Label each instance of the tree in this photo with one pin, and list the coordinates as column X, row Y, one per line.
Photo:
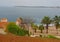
column 28, row 20
column 41, row 27
column 12, row 28
column 46, row 20
column 21, row 19
column 22, row 32
column 34, row 26
column 56, row 21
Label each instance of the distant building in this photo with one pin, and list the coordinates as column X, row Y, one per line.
column 3, row 23
column 4, row 20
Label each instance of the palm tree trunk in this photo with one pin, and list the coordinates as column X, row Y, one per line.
column 35, row 30
column 56, row 30
column 41, row 31
column 46, row 28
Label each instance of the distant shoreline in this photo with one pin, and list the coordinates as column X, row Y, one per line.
column 40, row 6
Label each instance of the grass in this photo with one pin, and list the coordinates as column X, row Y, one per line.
column 51, row 36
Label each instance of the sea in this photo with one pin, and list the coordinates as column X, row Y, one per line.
column 12, row 13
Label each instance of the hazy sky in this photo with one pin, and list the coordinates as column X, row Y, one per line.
column 30, row 2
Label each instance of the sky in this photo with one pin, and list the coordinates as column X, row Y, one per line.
column 29, row 2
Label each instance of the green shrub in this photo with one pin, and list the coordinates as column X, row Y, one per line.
column 22, row 32
column 14, row 29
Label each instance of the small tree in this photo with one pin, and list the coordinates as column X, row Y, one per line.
column 46, row 20
column 56, row 21
column 22, row 32
column 34, row 26
column 12, row 28
column 41, row 27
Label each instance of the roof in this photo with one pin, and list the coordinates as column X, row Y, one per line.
column 4, row 19
column 3, row 24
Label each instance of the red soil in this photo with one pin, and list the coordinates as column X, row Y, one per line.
column 10, row 38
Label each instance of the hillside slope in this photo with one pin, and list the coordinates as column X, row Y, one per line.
column 11, row 38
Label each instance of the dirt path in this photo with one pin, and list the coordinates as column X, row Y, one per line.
column 10, row 38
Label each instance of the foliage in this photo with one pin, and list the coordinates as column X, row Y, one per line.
column 22, row 32
column 46, row 20
column 34, row 26
column 41, row 27
column 56, row 21
column 14, row 29
column 28, row 20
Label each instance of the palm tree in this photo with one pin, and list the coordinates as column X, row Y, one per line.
column 46, row 20
column 56, row 21
column 41, row 27
column 34, row 26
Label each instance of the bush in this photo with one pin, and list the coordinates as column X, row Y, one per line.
column 22, row 32
column 13, row 28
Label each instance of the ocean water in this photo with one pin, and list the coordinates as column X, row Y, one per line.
column 12, row 13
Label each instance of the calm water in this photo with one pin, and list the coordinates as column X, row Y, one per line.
column 37, row 13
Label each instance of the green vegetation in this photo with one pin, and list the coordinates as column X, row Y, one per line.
column 51, row 36
column 22, row 32
column 46, row 20
column 56, row 21
column 34, row 26
column 17, row 30
column 41, row 27
column 14, row 29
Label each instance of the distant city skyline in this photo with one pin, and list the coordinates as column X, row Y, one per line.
column 29, row 2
